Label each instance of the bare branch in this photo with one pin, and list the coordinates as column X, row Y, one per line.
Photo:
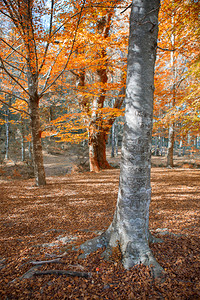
column 42, row 262
column 14, row 67
column 10, row 46
column 62, row 272
column 165, row 49
column 71, row 51
column 11, row 76
column 12, row 94
column 48, row 41
column 33, row 37
column 6, row 15
column 19, row 110
column 126, row 8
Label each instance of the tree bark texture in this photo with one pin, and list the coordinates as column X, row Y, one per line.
column 36, row 143
column 130, row 226
column 97, row 151
column 32, row 77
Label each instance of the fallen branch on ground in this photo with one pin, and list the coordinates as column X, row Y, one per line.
column 62, row 272
column 42, row 262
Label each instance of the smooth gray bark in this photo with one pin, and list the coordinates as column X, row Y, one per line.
column 130, row 226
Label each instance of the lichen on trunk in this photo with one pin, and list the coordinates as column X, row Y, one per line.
column 130, row 226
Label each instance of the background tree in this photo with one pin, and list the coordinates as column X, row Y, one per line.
column 32, row 73
column 178, row 54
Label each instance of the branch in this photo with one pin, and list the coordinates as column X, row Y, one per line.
column 76, row 14
column 6, row 15
column 11, row 76
column 126, row 8
column 71, row 51
column 12, row 12
column 2, row 91
column 7, row 63
column 165, row 49
column 62, row 272
column 19, row 110
column 42, row 262
column 33, row 36
column 48, row 41
column 12, row 48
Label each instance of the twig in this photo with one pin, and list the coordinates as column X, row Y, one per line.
column 126, row 8
column 165, row 49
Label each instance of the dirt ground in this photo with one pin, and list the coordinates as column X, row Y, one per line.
column 40, row 224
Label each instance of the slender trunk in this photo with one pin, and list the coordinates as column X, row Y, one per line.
column 113, row 140
column 170, row 150
column 116, row 139
column 130, row 227
column 36, row 143
column 7, row 125
column 22, row 141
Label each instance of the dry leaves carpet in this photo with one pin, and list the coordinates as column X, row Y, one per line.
column 40, row 224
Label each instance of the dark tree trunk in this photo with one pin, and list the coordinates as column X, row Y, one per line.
column 97, row 151
column 7, row 125
column 22, row 141
column 130, row 227
column 36, row 143
column 170, row 149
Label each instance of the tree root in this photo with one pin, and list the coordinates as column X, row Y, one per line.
column 134, row 253
column 94, row 244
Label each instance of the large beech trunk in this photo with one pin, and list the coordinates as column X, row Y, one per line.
column 130, row 227
column 36, row 143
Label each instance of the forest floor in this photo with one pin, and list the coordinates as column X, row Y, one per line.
column 40, row 224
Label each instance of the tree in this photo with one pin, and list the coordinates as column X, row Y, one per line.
column 176, row 108
column 130, row 226
column 33, row 70
column 95, row 63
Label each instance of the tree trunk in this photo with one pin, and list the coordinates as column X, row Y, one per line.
column 130, row 227
column 36, row 143
column 113, row 140
column 22, row 140
column 7, row 125
column 97, row 151
column 170, row 150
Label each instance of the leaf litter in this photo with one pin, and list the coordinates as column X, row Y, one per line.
column 45, row 224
